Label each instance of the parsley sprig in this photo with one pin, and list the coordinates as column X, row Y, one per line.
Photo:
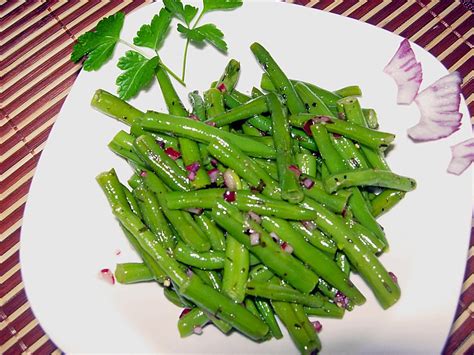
column 139, row 68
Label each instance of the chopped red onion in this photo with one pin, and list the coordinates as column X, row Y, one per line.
column 341, row 299
column 107, row 276
column 287, row 247
column 229, row 180
column 184, row 312
column 344, row 212
column 213, row 174
column 167, row 283
column 462, row 156
column 193, row 117
column 254, row 238
column 229, row 196
column 194, row 167
column 118, row 252
column 307, row 127
column 295, row 169
column 439, row 109
column 275, row 237
column 160, row 143
column 197, row 330
column 192, row 176
column 210, row 123
column 189, row 272
column 195, row 210
column 309, row 225
column 143, row 173
column 322, row 119
column 406, row 71
column 173, row 154
column 392, row 275
column 308, row 183
column 214, row 163
column 317, row 326
column 336, row 135
column 221, row 87
column 255, row 217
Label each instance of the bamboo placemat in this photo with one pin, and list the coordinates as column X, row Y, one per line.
column 36, row 76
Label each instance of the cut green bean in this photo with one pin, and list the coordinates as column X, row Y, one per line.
column 371, row 118
column 175, row 299
column 202, row 132
column 209, row 277
column 213, row 233
column 248, row 109
column 315, row 238
column 115, row 107
column 192, row 322
column 197, row 102
column 230, row 77
column 268, row 316
column 384, row 201
column 314, row 258
column 286, row 162
column 129, row 273
column 165, row 167
column 335, row 202
column 346, row 91
column 278, row 78
column 269, row 252
column 210, row 260
column 306, row 162
column 369, row 177
column 236, row 269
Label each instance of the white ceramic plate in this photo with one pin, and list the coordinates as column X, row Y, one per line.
column 69, row 233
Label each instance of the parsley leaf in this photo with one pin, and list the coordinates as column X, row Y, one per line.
column 98, row 45
column 211, row 5
column 184, row 13
column 138, row 73
column 152, row 35
column 205, row 33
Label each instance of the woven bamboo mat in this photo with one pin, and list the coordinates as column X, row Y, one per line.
column 36, row 76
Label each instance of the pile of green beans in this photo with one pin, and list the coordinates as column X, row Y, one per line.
column 248, row 209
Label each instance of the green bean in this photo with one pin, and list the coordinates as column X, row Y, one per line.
column 365, row 262
column 199, row 109
column 285, row 294
column 134, row 181
column 335, row 202
column 188, row 148
column 362, row 213
column 371, row 117
column 213, row 233
column 202, row 132
column 128, row 273
column 122, row 145
column 366, row 236
column 186, row 227
column 229, row 78
column 268, row 316
column 316, row 259
column 250, row 130
column 161, row 163
column 343, row 263
column 269, row 252
column 315, row 238
column 244, row 111
column 146, row 240
column 329, row 98
column 306, row 162
column 244, row 200
column 352, row 90
column 328, row 152
column 115, row 107
column 278, row 78
column 175, row 299
column 210, row 260
column 330, row 310
column 250, row 305
column 289, row 184
column 162, row 139
column 190, row 322
column 384, row 201
column 260, row 273
column 256, row 92
column 236, row 269
column 269, row 166
column 209, row 277
column 224, row 308
column 314, row 105
column 349, row 152
column 326, row 289
column 366, row 136
column 132, row 202
column 214, row 102
column 153, row 217
column 368, row 177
